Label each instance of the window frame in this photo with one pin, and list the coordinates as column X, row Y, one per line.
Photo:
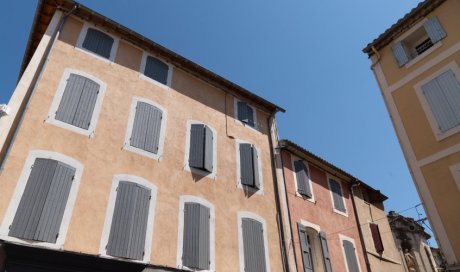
column 317, row 257
column 180, row 232
column 129, row 130
column 19, row 191
column 166, row 86
column 111, row 208
column 82, row 36
column 455, row 171
column 351, row 240
column 310, row 181
column 239, row 185
column 454, row 67
column 211, row 175
column 254, row 114
column 339, row 181
column 51, row 118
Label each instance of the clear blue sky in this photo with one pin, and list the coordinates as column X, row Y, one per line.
column 302, row 55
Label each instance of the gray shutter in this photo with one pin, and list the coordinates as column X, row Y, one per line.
column 253, row 246
column 305, row 249
column 443, row 96
column 246, row 165
column 250, row 115
column 255, row 166
column 242, row 113
column 197, row 146
column 146, row 127
column 325, row 249
column 301, row 172
column 400, row 53
column 350, row 254
column 98, row 42
column 208, row 150
column 129, row 222
column 337, row 195
column 156, row 69
column 86, row 105
column 196, row 247
column 42, row 204
column 434, row 30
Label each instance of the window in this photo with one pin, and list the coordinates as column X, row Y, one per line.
column 98, row 42
column 77, row 103
column 418, row 41
column 129, row 219
column 245, row 113
column 196, row 234
column 337, row 196
column 349, row 251
column 248, row 159
column 253, row 243
column 201, row 149
column 312, row 244
column 302, row 179
column 155, row 69
column 376, row 237
column 145, row 133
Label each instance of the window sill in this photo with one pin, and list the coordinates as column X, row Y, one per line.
column 32, row 243
column 423, row 55
column 141, row 152
column 200, row 172
column 311, row 199
column 250, row 189
column 89, row 132
column 248, row 126
column 154, row 82
column 340, row 212
column 108, row 61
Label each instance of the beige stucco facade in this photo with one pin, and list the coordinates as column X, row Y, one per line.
column 430, row 153
column 103, row 156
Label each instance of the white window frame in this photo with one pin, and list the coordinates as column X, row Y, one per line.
column 111, row 208
column 455, row 171
column 129, row 129
column 82, row 36
column 310, row 182
column 453, row 66
column 213, row 174
column 254, row 113
column 180, row 237
column 19, row 191
column 51, row 119
column 342, row 238
column 256, row 191
column 339, row 181
column 151, row 80
column 254, row 216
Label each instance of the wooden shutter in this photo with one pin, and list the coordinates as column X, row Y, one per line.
column 305, row 248
column 400, row 53
column 43, row 202
column 129, row 222
column 208, row 150
column 78, row 101
column 98, row 42
column 337, row 195
column 325, row 250
column 303, row 184
column 197, row 143
column 255, row 167
column 245, row 113
column 350, row 254
column 434, row 29
column 443, row 96
column 156, row 69
column 253, row 246
column 246, row 165
column 376, row 237
column 196, row 247
column 146, row 127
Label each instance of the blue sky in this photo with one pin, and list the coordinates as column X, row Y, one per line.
column 302, row 55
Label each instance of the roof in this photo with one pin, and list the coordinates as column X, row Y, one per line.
column 393, row 217
column 403, row 24
column 309, row 156
column 46, row 8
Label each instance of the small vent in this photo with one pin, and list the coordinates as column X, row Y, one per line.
column 423, row 46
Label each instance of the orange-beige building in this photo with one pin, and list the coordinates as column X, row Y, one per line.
column 416, row 63
column 120, row 155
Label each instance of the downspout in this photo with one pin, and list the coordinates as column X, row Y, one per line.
column 40, row 69
column 361, row 236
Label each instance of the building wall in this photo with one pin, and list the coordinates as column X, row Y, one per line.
column 429, row 156
column 321, row 213
column 102, row 155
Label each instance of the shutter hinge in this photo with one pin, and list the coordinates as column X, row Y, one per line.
column 57, row 235
column 73, row 177
column 97, row 92
column 150, row 197
column 89, row 123
column 9, row 227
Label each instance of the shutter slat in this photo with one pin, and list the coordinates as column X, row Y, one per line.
column 70, row 98
column 242, row 112
column 303, row 184
column 376, row 237
column 86, row 104
column 204, row 236
column 152, row 137
column 255, row 167
column 253, row 246
column 325, row 250
column 337, row 195
column 208, row 150
column 139, row 225
column 250, row 115
column 197, row 143
column 400, row 53
column 98, row 42
column 434, row 30
column 156, row 69
column 305, row 248
column 350, row 254
column 196, row 247
column 451, row 90
column 146, row 129
column 246, row 165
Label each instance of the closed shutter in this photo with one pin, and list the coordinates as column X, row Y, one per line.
column 78, row 101
column 208, row 150
column 303, row 185
column 434, row 30
column 305, row 249
column 253, row 246
column 197, row 143
column 255, row 166
column 196, row 247
column 350, row 254
column 325, row 249
column 376, row 237
column 43, row 202
column 146, row 127
column 129, row 222
column 245, row 113
column 337, row 195
column 443, row 96
column 249, row 166
column 400, row 53
column 156, row 69
column 98, row 42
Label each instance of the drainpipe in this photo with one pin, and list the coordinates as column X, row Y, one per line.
column 40, row 70
column 361, row 237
